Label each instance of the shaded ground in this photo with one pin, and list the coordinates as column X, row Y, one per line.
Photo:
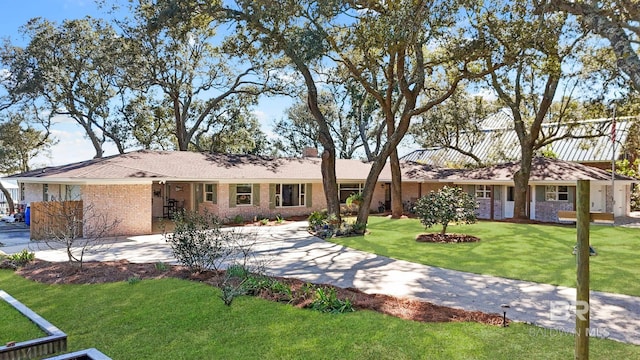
column 102, row 272
column 446, row 238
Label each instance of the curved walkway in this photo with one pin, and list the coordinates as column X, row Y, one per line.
column 289, row 250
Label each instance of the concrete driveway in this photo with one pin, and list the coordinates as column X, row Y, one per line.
column 12, row 234
column 289, row 250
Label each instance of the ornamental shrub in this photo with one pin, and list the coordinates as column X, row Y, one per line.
column 198, row 241
column 22, row 258
column 449, row 204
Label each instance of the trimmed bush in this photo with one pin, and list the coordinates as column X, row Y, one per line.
column 449, row 204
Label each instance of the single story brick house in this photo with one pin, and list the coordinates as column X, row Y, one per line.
column 552, row 188
column 142, row 186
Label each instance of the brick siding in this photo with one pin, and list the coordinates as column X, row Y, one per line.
column 547, row 211
column 131, row 204
column 249, row 212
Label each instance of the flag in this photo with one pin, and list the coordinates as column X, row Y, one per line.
column 613, row 130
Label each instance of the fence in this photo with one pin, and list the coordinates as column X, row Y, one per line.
column 56, row 219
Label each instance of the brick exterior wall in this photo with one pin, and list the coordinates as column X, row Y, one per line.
column 32, row 193
column 263, row 210
column 484, row 209
column 131, row 204
column 378, row 197
column 410, row 191
column 498, row 212
column 547, row 211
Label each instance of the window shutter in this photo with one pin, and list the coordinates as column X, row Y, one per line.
column 232, row 195
column 308, row 195
column 214, row 188
column 540, row 193
column 256, row 194
column 272, row 196
column 470, row 189
column 572, row 195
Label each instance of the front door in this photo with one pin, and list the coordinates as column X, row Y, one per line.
column 157, row 200
column 509, row 202
column 387, row 196
column 596, row 198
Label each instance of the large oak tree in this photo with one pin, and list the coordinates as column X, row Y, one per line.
column 407, row 55
column 617, row 21
column 207, row 87
column 72, row 68
column 548, row 52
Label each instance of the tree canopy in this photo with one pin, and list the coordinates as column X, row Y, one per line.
column 188, row 74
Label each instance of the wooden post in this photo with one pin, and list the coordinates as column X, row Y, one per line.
column 582, row 259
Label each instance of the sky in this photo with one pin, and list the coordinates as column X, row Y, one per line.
column 73, row 146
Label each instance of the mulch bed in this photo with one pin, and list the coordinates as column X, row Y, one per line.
column 104, row 272
column 446, row 238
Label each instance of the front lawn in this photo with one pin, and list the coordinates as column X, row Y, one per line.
column 179, row 319
column 16, row 327
column 540, row 253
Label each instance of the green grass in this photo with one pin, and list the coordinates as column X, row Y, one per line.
column 540, row 253
column 18, row 327
column 178, row 319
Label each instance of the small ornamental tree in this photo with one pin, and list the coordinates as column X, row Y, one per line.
column 449, row 204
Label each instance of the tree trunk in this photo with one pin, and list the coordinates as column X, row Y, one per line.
column 97, row 145
column 367, row 194
column 396, row 185
column 7, row 195
column 521, row 182
column 329, row 181
column 328, row 165
column 387, row 151
column 181, row 127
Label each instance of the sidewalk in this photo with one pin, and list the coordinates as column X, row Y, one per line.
column 290, row 251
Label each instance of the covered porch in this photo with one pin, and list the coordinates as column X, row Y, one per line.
column 169, row 197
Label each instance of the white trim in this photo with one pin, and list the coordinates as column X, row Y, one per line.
column 359, row 189
column 556, row 193
column 484, row 189
column 301, row 200
column 213, row 192
column 250, row 194
column 87, row 181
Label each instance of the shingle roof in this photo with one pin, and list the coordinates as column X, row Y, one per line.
column 500, row 143
column 184, row 165
column 192, row 166
column 542, row 169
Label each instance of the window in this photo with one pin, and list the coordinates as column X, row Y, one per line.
column 244, row 194
column 556, row 193
column 347, row 189
column 72, row 192
column 290, row 195
column 45, row 192
column 210, row 192
column 483, row 191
